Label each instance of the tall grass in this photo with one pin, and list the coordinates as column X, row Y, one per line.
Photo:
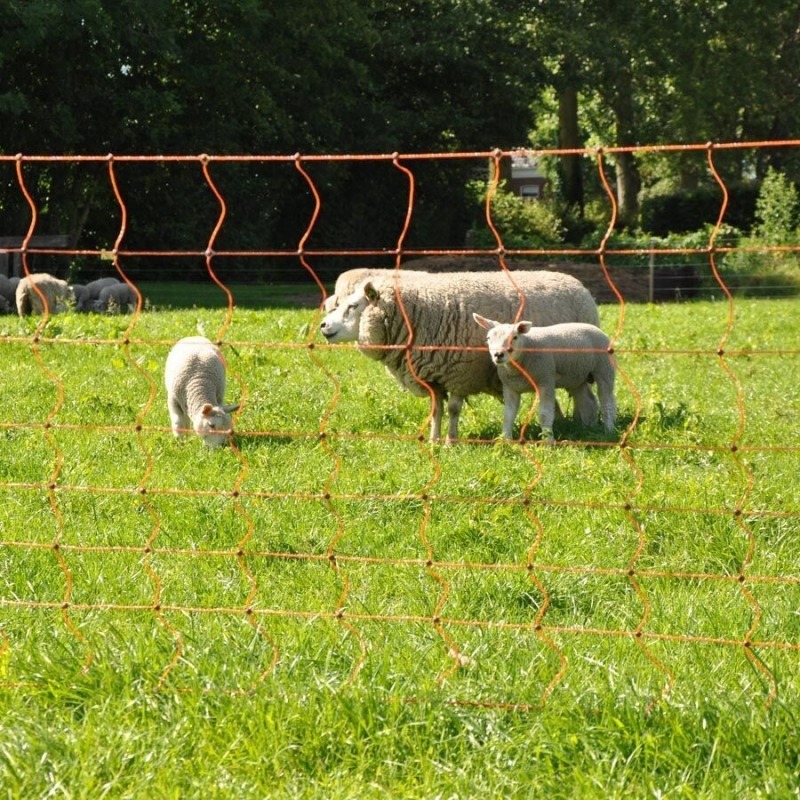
column 362, row 613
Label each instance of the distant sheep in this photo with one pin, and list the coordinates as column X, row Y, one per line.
column 117, row 297
column 444, row 353
column 39, row 290
column 195, row 379
column 86, row 296
column 8, row 293
column 572, row 356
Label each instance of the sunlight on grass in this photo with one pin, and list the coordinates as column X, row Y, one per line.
column 348, row 604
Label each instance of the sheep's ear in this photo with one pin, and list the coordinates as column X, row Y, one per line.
column 370, row 292
column 206, row 409
column 230, row 409
column 486, row 324
column 524, row 326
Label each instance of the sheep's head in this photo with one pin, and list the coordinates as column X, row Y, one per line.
column 503, row 338
column 213, row 424
column 342, row 323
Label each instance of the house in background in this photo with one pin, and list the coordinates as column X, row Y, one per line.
column 527, row 179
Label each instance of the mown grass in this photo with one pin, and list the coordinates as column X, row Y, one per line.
column 130, row 666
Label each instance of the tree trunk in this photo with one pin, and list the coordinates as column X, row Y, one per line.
column 569, row 139
column 628, row 179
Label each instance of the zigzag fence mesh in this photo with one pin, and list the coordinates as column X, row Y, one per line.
column 463, row 572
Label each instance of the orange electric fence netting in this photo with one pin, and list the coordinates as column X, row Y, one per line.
column 539, row 629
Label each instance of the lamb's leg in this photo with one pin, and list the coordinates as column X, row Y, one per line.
column 511, row 400
column 608, row 404
column 547, row 408
column 585, row 405
column 436, row 417
column 454, row 412
column 180, row 422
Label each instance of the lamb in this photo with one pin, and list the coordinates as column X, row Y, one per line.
column 444, row 354
column 195, row 379
column 116, row 297
column 571, row 355
column 41, row 292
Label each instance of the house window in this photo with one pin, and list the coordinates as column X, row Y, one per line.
column 530, row 192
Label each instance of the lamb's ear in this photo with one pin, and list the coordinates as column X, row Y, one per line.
column 523, row 326
column 486, row 324
column 370, row 292
column 206, row 409
column 230, row 409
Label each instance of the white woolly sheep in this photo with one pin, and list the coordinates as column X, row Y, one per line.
column 195, row 379
column 571, row 355
column 116, row 297
column 348, row 280
column 444, row 354
column 41, row 291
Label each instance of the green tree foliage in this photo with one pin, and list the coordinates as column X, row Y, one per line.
column 250, row 77
column 365, row 76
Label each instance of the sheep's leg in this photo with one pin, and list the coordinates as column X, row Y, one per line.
column 585, row 405
column 547, row 409
column 454, row 413
column 180, row 422
column 608, row 404
column 436, row 417
column 511, row 400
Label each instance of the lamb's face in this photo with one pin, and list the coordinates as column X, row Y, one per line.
column 341, row 324
column 213, row 424
column 502, row 341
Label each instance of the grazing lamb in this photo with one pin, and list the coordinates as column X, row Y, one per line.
column 88, row 295
column 42, row 292
column 571, row 355
column 116, row 298
column 195, row 380
column 444, row 350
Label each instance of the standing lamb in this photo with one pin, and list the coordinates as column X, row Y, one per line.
column 444, row 354
column 195, row 379
column 116, row 298
column 571, row 355
column 40, row 292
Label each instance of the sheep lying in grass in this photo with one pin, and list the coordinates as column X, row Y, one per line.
column 444, row 354
column 115, row 298
column 86, row 296
column 571, row 355
column 195, row 380
column 39, row 292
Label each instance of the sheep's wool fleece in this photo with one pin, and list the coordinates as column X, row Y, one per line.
column 29, row 301
column 195, row 374
column 439, row 308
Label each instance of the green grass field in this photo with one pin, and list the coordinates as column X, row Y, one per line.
column 361, row 614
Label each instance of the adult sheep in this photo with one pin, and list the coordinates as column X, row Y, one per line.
column 116, row 297
column 347, row 281
column 194, row 375
column 8, row 293
column 85, row 299
column 572, row 355
column 447, row 356
column 40, row 292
